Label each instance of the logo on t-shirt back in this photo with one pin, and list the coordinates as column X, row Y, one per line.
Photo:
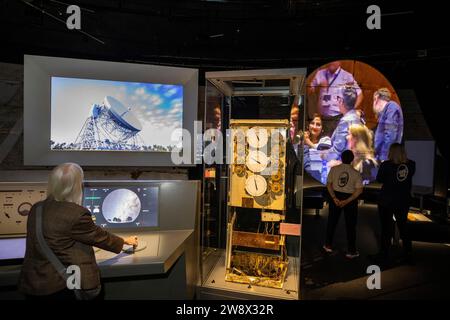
column 343, row 179
column 402, row 173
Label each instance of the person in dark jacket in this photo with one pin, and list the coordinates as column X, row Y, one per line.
column 396, row 176
column 70, row 233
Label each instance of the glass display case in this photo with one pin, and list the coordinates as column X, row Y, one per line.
column 252, row 154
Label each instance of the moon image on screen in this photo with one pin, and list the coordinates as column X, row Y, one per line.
column 121, row 206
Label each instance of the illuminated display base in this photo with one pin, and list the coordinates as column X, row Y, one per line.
column 257, row 269
column 216, row 287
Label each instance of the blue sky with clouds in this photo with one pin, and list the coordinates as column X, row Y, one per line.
column 159, row 107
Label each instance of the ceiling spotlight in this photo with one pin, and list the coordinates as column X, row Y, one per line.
column 217, row 35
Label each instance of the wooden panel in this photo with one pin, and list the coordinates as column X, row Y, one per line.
column 256, row 240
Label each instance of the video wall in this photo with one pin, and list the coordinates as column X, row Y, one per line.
column 100, row 115
column 350, row 105
column 104, row 113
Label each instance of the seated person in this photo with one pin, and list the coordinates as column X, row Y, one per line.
column 313, row 140
column 314, row 133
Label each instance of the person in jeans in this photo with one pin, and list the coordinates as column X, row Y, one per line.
column 344, row 185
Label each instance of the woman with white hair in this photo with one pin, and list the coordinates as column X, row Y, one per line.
column 64, row 227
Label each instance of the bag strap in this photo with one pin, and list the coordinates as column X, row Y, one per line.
column 49, row 254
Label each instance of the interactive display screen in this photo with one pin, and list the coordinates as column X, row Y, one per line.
column 123, row 207
column 350, row 106
column 102, row 115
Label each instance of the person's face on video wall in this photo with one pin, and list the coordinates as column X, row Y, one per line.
column 350, row 106
column 315, row 127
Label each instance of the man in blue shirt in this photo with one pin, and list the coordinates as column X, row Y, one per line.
column 390, row 123
column 347, row 101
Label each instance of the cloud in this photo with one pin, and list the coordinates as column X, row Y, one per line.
column 176, row 106
column 140, row 91
column 120, row 97
column 175, row 110
column 176, row 102
column 154, row 99
column 170, row 92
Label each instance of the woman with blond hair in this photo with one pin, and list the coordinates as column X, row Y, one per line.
column 360, row 141
column 61, row 231
column 396, row 176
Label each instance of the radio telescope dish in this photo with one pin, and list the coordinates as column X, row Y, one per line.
column 111, row 126
column 124, row 116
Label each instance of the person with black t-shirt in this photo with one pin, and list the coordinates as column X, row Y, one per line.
column 396, row 176
column 344, row 185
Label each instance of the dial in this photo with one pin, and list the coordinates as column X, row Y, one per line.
column 239, row 170
column 277, row 176
column 275, row 187
column 256, row 185
column 257, row 137
column 257, row 161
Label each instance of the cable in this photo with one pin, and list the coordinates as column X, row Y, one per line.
column 60, row 20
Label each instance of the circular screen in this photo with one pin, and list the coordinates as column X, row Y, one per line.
column 121, row 206
column 350, row 106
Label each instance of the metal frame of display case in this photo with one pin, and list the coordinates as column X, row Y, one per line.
column 220, row 90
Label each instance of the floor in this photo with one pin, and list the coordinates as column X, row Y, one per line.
column 332, row 276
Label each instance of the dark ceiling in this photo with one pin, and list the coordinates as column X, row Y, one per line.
column 412, row 48
column 228, row 34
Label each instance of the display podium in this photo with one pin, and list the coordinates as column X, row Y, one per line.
column 167, row 267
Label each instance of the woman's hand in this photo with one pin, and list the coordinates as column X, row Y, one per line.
column 333, row 163
column 132, row 241
column 307, row 139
